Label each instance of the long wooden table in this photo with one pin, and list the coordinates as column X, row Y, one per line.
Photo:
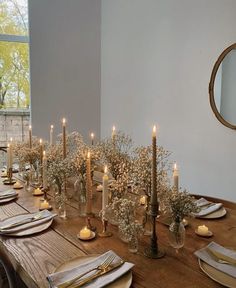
column 36, row 256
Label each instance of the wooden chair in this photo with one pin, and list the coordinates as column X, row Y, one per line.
column 7, row 271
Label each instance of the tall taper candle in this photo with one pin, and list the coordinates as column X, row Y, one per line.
column 113, row 133
column 10, row 154
column 30, row 136
column 64, row 137
column 51, row 135
column 88, row 186
column 154, row 172
column 45, row 182
column 105, row 189
column 92, row 138
column 176, row 177
column 41, row 151
column 8, row 157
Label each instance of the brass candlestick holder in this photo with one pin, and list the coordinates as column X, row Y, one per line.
column 9, row 180
column 153, row 251
column 104, row 232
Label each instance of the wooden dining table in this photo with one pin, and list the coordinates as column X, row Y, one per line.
column 36, row 256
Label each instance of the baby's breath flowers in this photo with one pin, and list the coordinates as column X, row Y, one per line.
column 180, row 204
column 116, row 153
column 123, row 210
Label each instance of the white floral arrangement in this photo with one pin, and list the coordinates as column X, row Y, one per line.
column 27, row 155
column 179, row 204
column 142, row 169
column 123, row 210
column 116, row 153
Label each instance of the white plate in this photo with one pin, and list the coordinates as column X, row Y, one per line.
column 123, row 282
column 8, row 199
column 217, row 275
column 35, row 228
column 216, row 214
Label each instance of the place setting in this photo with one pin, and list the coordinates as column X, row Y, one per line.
column 209, row 210
column 94, row 271
column 26, row 224
column 219, row 263
column 7, row 196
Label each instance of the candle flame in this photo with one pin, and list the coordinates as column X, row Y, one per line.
column 52, row 127
column 40, row 141
column 105, row 169
column 11, row 139
column 8, row 145
column 88, row 154
column 92, row 135
column 64, row 121
column 113, row 128
column 175, row 166
column 44, row 153
column 154, row 129
column 30, row 127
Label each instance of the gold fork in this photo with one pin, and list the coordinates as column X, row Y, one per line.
column 217, row 259
column 100, row 267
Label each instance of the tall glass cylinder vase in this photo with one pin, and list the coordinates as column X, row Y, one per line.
column 80, row 191
column 60, row 199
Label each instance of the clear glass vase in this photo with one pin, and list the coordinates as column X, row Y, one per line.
column 60, row 199
column 133, row 243
column 80, row 192
column 177, row 234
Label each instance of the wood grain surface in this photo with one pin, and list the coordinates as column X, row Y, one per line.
column 36, row 256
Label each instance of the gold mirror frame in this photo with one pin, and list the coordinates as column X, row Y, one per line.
column 212, row 83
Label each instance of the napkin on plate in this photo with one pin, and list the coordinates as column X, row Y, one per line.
column 61, row 277
column 205, row 210
column 45, row 216
column 7, row 193
column 226, row 268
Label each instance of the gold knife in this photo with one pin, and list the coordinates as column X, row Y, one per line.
column 222, row 256
column 96, row 275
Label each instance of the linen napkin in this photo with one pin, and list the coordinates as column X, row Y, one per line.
column 45, row 216
column 208, row 209
column 226, row 268
column 7, row 193
column 61, row 277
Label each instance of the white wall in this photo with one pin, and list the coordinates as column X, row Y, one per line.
column 157, row 58
column 65, row 64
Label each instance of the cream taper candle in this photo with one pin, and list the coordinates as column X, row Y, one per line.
column 176, row 177
column 88, row 186
column 30, row 136
column 64, row 137
column 45, row 182
column 105, row 189
column 51, row 135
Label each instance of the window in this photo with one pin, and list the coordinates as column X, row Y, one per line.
column 14, row 54
column 14, row 72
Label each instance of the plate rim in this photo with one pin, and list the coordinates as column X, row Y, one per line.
column 218, row 281
column 224, row 212
column 44, row 225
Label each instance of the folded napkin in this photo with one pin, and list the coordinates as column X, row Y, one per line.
column 61, row 277
column 44, row 216
column 205, row 210
column 7, row 194
column 226, row 268
column 202, row 202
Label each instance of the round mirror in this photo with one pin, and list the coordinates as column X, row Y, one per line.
column 222, row 87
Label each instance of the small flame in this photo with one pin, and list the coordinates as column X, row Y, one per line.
column 105, row 169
